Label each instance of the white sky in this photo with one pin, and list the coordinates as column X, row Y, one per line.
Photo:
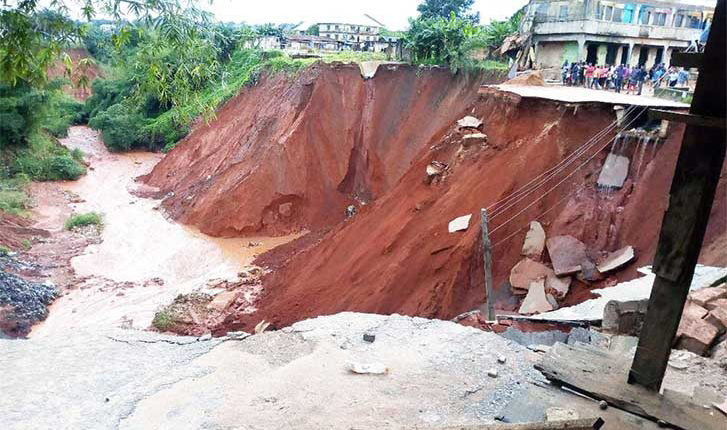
column 392, row 13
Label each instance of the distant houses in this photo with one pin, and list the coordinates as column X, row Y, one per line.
column 349, row 35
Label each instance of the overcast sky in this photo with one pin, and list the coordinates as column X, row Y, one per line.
column 392, row 13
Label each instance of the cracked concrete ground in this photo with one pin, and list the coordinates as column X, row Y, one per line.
column 293, row 378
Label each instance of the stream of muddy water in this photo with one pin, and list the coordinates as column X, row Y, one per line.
column 119, row 277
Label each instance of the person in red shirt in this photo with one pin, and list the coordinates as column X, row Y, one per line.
column 589, row 75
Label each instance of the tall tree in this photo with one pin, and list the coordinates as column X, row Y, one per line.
column 444, row 8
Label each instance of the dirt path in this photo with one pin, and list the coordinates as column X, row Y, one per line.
column 142, row 260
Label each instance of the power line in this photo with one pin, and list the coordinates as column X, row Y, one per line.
column 564, row 179
column 504, row 204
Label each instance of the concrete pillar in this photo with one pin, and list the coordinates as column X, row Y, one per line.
column 581, row 48
column 630, row 54
column 666, row 58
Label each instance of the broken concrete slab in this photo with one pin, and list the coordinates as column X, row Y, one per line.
column 459, row 224
column 557, row 286
column 617, row 259
column 434, row 170
column 614, row 172
column 694, row 333
column 719, row 303
column 469, row 122
column 535, row 302
column 471, row 139
column 624, row 317
column 707, row 295
column 718, row 318
column 636, row 289
column 534, row 241
column 567, row 254
column 526, row 271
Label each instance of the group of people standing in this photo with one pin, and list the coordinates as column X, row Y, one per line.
column 621, row 77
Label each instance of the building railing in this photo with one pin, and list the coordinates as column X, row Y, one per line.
column 617, row 29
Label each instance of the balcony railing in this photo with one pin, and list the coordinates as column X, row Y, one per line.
column 617, row 29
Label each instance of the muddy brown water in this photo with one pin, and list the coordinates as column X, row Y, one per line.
column 138, row 244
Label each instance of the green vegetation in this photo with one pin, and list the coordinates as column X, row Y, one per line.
column 13, row 198
column 82, row 220
column 4, row 250
column 445, row 8
column 447, row 34
column 43, row 159
column 163, row 320
column 26, row 244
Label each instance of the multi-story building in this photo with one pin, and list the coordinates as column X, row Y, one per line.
column 612, row 32
column 358, row 37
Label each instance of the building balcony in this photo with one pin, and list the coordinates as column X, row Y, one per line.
column 614, row 29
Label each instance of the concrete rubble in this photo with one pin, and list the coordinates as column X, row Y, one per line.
column 615, row 171
column 469, row 122
column 534, row 241
column 471, row 139
column 617, row 259
column 567, row 254
column 535, row 301
column 459, row 223
column 636, row 289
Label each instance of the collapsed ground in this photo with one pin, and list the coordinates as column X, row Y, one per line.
column 369, row 173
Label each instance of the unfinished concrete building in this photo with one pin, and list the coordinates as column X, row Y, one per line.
column 608, row 32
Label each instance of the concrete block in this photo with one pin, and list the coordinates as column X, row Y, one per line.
column 535, row 302
column 534, row 241
column 567, row 254
column 614, row 172
column 460, row 223
column 624, row 317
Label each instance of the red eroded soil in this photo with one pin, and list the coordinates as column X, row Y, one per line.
column 397, row 256
column 58, row 70
column 292, row 153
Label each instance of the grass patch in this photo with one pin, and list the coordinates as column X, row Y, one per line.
column 13, row 197
column 4, row 250
column 77, row 155
column 82, row 220
column 163, row 320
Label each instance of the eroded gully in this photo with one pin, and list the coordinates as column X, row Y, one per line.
column 143, row 260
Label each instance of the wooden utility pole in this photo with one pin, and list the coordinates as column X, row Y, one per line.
column 690, row 202
column 487, row 255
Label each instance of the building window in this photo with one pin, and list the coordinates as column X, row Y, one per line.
column 336, row 26
column 618, row 15
column 644, row 15
column 694, row 22
column 678, row 20
column 607, row 13
column 660, row 18
column 563, row 13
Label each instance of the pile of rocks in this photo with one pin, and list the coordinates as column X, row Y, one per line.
column 22, row 303
column 213, row 307
column 704, row 321
column 544, row 283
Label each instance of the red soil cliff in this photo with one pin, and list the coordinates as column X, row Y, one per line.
column 291, row 153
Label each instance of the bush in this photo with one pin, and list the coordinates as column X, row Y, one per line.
column 20, row 109
column 44, row 160
column 82, row 220
column 121, row 127
column 77, row 154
